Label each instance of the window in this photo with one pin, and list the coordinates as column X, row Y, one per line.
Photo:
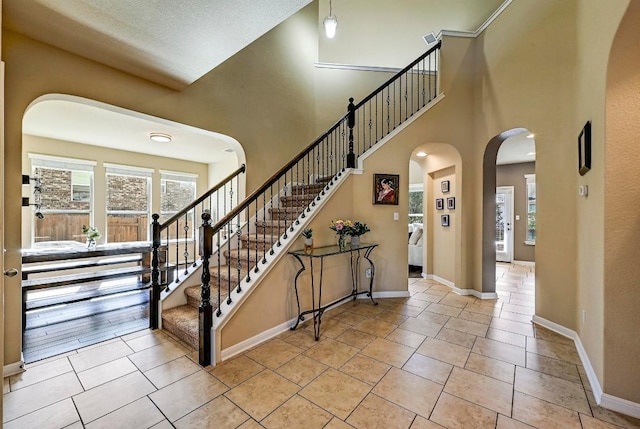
column 531, row 209
column 80, row 186
column 177, row 191
column 128, row 203
column 66, row 198
column 416, row 204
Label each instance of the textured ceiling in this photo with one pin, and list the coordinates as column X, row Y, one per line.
column 171, row 42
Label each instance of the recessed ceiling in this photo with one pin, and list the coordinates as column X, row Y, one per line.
column 84, row 121
column 171, row 42
column 517, row 149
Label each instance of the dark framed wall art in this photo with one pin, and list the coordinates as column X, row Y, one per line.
column 385, row 189
column 444, row 186
column 439, row 203
column 444, row 220
column 451, row 203
column 584, row 149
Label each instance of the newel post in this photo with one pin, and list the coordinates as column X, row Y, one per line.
column 154, row 293
column 204, row 310
column 351, row 122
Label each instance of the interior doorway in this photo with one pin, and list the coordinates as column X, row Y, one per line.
column 504, row 223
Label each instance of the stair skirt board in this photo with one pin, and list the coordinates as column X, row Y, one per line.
column 182, row 328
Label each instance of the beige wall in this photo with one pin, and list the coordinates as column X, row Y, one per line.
column 263, row 97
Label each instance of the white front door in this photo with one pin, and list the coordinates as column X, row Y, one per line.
column 504, row 223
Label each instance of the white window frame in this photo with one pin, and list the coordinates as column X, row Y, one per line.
column 530, row 179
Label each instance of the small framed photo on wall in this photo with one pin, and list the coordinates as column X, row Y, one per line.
column 444, row 186
column 584, row 149
column 439, row 203
column 451, row 203
column 444, row 220
column 385, row 189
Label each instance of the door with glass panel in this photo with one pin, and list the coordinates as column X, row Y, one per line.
column 504, row 223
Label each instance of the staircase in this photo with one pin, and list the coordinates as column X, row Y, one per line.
column 183, row 321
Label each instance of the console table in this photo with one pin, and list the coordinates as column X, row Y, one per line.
column 356, row 253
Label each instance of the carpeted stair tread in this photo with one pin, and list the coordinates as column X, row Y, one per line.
column 183, row 322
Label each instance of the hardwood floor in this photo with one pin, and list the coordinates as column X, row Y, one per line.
column 52, row 335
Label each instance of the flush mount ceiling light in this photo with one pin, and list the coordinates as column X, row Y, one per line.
column 330, row 23
column 421, row 154
column 530, row 136
column 160, row 137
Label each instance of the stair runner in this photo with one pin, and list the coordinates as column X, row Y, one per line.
column 183, row 321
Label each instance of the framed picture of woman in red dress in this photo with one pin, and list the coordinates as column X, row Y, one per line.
column 385, row 189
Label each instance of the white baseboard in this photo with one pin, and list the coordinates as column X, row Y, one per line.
column 603, row 399
column 13, row 368
column 525, row 263
column 389, row 294
column 242, row 346
column 463, row 292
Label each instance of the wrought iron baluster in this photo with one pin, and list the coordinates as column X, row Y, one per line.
column 186, row 243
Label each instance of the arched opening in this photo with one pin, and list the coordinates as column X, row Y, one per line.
column 621, row 191
column 506, row 220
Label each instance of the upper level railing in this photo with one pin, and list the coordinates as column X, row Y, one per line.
column 237, row 246
column 177, row 236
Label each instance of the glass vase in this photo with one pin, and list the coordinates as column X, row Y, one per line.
column 341, row 242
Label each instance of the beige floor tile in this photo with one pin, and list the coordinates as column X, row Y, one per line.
column 336, row 392
column 445, row 310
column 452, row 412
column 487, row 310
column 366, row 308
column 505, row 422
column 58, row 415
column 479, row 389
column 548, row 335
column 106, row 372
column 97, row 355
column 456, row 337
column 180, row 398
column 355, row 338
column 236, row 370
column 428, row 297
column 455, row 300
column 162, row 425
column 301, row 338
column 220, row 413
column 388, row 352
column 336, row 423
column 511, row 326
column 565, row 352
column 262, row 394
column 516, row 317
column 611, row 416
column 36, row 396
column 501, row 351
column 409, row 391
column 92, row 404
column 591, row 423
column 519, row 309
column 274, row 353
column 475, row 317
column 429, row 368
column 39, row 373
column 157, row 355
column 331, row 352
column 407, row 338
column 444, row 351
column 301, row 370
column 375, row 412
column 407, row 310
column 555, row 367
column 251, row 424
column 422, row 326
column 349, row 318
column 437, row 318
column 139, row 414
column 331, row 328
column 531, row 302
column 507, row 337
column 297, row 412
column 375, row 327
column 153, row 338
column 365, row 369
column 422, row 423
column 490, row 367
column 552, row 389
column 418, row 303
column 392, row 317
column 542, row 414
column 170, row 372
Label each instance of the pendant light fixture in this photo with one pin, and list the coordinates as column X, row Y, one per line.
column 330, row 23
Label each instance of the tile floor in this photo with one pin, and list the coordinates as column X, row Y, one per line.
column 433, row 360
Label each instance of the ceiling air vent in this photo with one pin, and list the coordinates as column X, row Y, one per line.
column 429, row 38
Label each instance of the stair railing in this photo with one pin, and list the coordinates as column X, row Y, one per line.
column 179, row 234
column 264, row 219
